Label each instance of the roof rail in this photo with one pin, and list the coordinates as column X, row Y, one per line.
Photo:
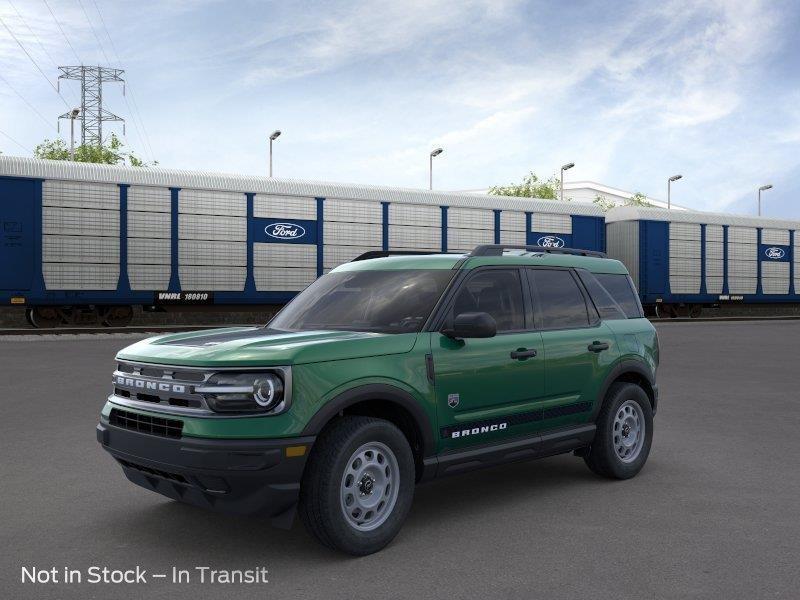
column 497, row 250
column 386, row 253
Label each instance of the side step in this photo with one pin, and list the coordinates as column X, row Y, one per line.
column 540, row 446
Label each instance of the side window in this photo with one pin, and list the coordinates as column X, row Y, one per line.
column 623, row 292
column 560, row 300
column 497, row 292
column 605, row 304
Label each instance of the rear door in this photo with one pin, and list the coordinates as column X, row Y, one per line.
column 16, row 233
column 579, row 348
column 484, row 387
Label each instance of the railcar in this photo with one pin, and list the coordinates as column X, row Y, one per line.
column 88, row 243
column 683, row 261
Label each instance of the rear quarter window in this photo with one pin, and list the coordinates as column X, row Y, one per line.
column 622, row 291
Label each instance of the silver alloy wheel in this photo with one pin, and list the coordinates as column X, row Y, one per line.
column 369, row 487
column 629, row 431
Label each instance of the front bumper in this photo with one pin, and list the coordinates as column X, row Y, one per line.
column 239, row 476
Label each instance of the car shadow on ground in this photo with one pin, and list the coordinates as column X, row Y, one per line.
column 189, row 532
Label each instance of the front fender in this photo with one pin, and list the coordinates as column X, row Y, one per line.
column 374, row 391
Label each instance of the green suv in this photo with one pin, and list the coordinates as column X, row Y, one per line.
column 387, row 372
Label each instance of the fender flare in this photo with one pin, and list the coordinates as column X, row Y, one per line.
column 375, row 391
column 621, row 368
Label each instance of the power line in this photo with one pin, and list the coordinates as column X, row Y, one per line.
column 36, row 37
column 146, row 136
column 35, row 64
column 97, row 37
column 135, row 112
column 31, row 106
column 16, row 142
column 61, row 29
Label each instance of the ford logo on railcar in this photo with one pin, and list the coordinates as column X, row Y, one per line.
column 550, row 241
column 775, row 253
column 285, row 231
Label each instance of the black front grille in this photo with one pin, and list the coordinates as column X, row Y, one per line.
column 171, row 428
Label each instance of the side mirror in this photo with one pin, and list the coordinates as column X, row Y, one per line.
column 472, row 325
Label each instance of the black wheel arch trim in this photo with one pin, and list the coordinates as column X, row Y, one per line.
column 620, row 369
column 375, row 391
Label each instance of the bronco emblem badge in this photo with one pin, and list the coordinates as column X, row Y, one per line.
column 453, row 400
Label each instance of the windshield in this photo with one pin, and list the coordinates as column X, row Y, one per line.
column 378, row 301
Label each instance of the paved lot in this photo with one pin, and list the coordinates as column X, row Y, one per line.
column 715, row 513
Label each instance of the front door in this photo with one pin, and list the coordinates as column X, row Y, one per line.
column 485, row 386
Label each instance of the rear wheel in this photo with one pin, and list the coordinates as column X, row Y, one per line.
column 358, row 485
column 624, row 433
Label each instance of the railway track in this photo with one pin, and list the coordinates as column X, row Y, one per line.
column 179, row 328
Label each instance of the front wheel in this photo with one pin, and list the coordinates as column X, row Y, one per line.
column 624, row 433
column 358, row 485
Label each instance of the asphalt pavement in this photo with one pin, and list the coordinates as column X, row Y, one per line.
column 714, row 514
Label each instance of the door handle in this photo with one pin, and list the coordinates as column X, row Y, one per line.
column 597, row 346
column 522, row 354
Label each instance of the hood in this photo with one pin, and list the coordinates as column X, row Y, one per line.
column 258, row 346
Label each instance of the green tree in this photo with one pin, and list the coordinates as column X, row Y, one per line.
column 531, row 187
column 606, row 204
column 111, row 153
column 638, row 199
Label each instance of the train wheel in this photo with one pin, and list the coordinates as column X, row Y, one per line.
column 117, row 316
column 695, row 310
column 43, row 317
column 681, row 310
column 668, row 311
column 28, row 316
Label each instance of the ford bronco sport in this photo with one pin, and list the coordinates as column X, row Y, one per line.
column 387, row 372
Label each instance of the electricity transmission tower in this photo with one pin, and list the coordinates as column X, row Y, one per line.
column 92, row 113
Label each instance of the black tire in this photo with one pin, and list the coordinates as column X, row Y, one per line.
column 320, row 505
column 602, row 457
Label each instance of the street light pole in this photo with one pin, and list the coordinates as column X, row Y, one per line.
column 564, row 168
column 669, row 189
column 436, row 152
column 762, row 189
column 273, row 136
column 72, row 115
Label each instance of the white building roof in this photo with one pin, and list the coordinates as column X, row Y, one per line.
column 156, row 176
column 585, row 192
column 637, row 213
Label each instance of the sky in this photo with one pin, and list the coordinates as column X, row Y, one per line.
column 631, row 92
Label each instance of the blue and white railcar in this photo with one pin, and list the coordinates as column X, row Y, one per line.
column 682, row 261
column 99, row 239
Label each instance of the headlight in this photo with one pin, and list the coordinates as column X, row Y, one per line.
column 243, row 392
